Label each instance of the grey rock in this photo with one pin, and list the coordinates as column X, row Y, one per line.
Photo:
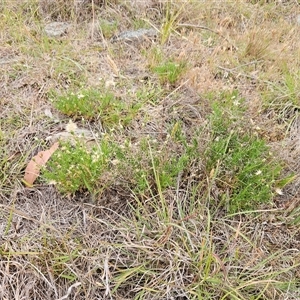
column 80, row 134
column 135, row 35
column 56, row 29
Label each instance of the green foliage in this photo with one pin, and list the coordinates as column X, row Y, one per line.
column 240, row 163
column 153, row 165
column 149, row 93
column 75, row 167
column 167, row 69
column 83, row 104
column 155, row 232
column 154, row 56
column 170, row 71
column 92, row 104
column 171, row 18
column 292, row 86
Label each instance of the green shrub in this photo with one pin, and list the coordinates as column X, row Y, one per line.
column 75, row 167
column 240, row 163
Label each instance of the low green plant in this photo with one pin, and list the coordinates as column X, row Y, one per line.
column 154, row 166
column 82, row 104
column 149, row 92
column 67, row 71
column 92, row 104
column 139, row 22
column 75, row 167
column 292, row 87
column 240, row 164
column 170, row 71
column 107, row 28
column 60, row 258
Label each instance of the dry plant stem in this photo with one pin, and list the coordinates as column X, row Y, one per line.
column 175, row 91
column 233, row 71
column 70, row 290
column 26, row 216
column 94, row 20
column 244, row 65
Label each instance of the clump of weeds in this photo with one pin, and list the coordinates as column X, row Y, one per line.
column 240, row 163
column 92, row 104
column 182, row 192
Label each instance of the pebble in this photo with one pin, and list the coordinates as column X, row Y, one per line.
column 56, row 29
column 135, row 35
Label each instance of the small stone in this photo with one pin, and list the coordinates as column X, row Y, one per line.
column 56, row 29
column 135, row 35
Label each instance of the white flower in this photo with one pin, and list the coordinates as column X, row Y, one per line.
column 279, row 191
column 258, row 172
column 95, row 158
column 71, row 126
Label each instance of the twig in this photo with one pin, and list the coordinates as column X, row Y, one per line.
column 233, row 71
column 199, row 27
column 173, row 92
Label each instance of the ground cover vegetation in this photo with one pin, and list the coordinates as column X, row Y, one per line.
column 188, row 185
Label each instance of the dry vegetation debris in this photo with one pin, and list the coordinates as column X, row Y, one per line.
column 158, row 222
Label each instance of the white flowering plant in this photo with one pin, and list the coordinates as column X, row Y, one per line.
column 76, row 167
column 241, row 165
column 85, row 104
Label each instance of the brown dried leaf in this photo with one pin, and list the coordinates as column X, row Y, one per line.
column 33, row 168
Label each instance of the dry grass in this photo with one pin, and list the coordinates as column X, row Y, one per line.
column 125, row 242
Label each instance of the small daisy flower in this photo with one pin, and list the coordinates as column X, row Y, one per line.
column 236, row 102
column 258, row 172
column 71, row 126
column 95, row 158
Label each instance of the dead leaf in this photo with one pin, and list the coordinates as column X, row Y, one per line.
column 33, row 168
